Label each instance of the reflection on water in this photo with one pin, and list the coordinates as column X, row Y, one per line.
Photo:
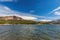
column 29, row 32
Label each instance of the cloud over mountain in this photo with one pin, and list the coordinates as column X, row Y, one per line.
column 5, row 11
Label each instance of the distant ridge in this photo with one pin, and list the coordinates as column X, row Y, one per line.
column 56, row 21
column 10, row 18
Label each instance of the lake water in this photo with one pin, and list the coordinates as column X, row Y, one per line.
column 30, row 32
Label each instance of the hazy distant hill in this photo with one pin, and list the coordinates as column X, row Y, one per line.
column 56, row 21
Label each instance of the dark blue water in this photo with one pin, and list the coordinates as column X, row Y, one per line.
column 29, row 32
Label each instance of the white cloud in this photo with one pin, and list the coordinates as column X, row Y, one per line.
column 54, row 14
column 45, row 20
column 57, row 13
column 28, row 18
column 56, row 9
column 32, row 11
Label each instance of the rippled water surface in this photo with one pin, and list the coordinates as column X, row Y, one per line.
column 29, row 32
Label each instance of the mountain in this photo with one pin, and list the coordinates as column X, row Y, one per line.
column 11, row 18
column 56, row 21
column 15, row 20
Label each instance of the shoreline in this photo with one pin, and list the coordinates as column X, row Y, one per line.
column 24, row 24
column 6, row 24
column 19, row 24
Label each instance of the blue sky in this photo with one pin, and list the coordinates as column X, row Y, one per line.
column 38, row 9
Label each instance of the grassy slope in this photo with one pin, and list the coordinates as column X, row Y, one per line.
column 17, row 22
